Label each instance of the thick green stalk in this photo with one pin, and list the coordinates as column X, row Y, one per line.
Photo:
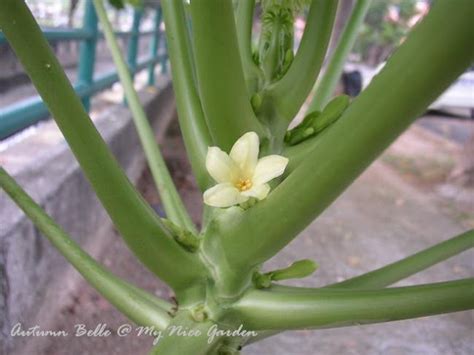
column 394, row 272
column 328, row 308
column 244, row 22
column 325, row 88
column 196, row 342
column 172, row 203
column 291, row 91
column 191, row 117
column 401, row 269
column 384, row 110
column 222, row 87
column 138, row 305
column 133, row 217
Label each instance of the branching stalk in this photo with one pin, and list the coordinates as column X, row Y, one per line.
column 222, row 87
column 133, row 217
column 138, row 305
column 191, row 117
column 244, row 22
column 198, row 343
column 325, row 88
column 392, row 273
column 401, row 269
column 329, row 308
column 304, row 70
column 390, row 103
column 170, row 198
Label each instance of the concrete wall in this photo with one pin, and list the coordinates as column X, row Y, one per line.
column 33, row 275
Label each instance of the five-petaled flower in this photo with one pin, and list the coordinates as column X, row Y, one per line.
column 240, row 175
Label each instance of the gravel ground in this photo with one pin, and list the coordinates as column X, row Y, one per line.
column 388, row 213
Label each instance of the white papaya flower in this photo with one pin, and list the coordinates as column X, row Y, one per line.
column 240, row 175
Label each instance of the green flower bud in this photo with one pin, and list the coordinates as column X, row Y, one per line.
column 199, row 313
column 303, row 131
column 183, row 237
column 261, row 280
column 331, row 113
column 287, row 60
column 297, row 270
column 256, row 101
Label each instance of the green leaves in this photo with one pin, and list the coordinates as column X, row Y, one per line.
column 315, row 122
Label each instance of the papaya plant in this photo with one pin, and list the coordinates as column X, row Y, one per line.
column 262, row 183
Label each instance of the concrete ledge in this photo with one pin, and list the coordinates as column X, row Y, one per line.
column 33, row 275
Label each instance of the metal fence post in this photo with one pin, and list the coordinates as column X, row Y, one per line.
column 164, row 58
column 88, row 49
column 155, row 43
column 132, row 49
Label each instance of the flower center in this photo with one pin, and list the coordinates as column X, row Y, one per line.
column 243, row 184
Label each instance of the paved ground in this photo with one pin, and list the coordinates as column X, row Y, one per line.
column 391, row 211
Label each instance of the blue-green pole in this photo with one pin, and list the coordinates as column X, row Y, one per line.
column 87, row 52
column 132, row 49
column 155, row 43
column 164, row 58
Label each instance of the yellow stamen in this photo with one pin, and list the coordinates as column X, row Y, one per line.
column 243, row 184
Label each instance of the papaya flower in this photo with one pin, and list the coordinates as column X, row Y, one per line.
column 240, row 175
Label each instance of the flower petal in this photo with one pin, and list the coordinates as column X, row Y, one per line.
column 223, row 195
column 245, row 153
column 220, row 166
column 258, row 191
column 269, row 168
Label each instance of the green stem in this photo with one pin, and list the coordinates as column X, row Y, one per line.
column 367, row 127
column 244, row 22
column 133, row 217
column 325, row 88
column 196, row 342
column 170, row 198
column 191, row 117
column 328, row 308
column 304, row 70
column 400, row 270
column 222, row 87
column 394, row 272
column 271, row 59
column 138, row 305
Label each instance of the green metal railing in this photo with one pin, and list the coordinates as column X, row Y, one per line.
column 26, row 112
